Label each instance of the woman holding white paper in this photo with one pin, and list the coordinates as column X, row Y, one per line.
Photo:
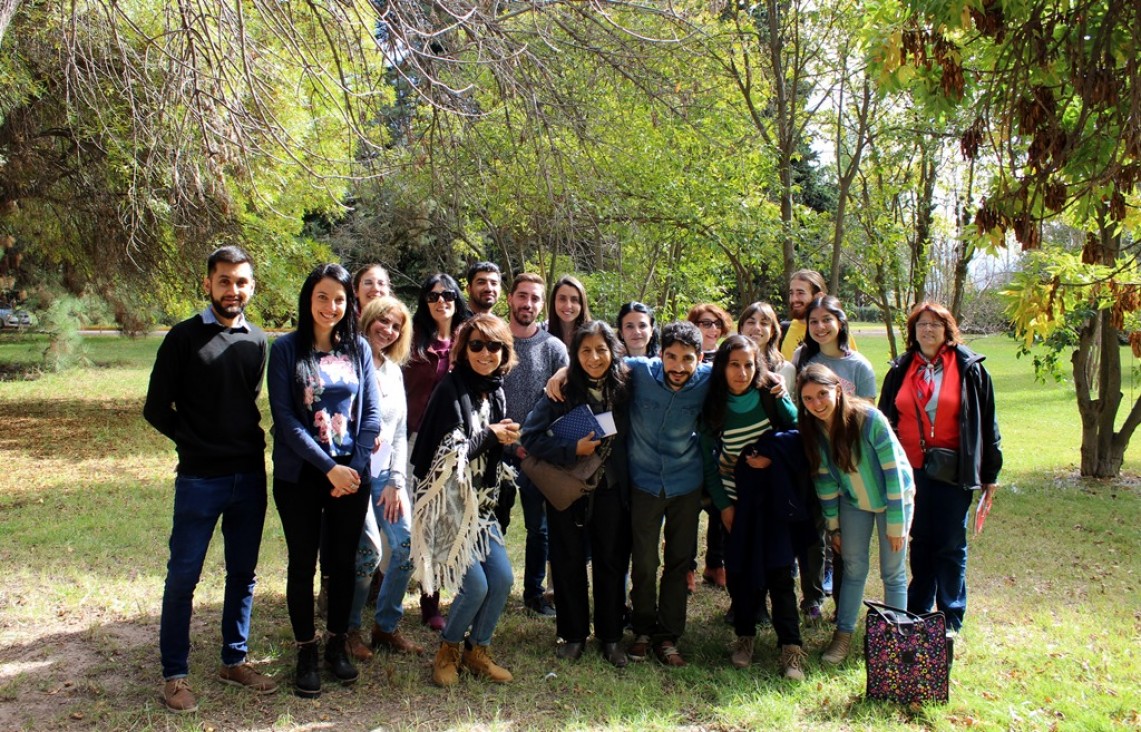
column 387, row 326
column 596, row 378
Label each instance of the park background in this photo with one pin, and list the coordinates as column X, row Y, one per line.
column 982, row 153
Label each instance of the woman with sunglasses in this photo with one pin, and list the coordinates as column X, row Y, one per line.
column 326, row 416
column 456, row 463
column 596, row 377
column 440, row 310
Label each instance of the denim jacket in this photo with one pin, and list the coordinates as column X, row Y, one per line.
column 665, row 454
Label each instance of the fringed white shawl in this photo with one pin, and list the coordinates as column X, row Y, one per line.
column 449, row 532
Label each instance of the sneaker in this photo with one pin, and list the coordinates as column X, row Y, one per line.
column 540, row 606
column 639, row 648
column 742, row 655
column 813, row 614
column 244, row 675
column 177, row 697
column 792, row 660
column 668, row 654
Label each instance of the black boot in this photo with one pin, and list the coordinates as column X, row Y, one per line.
column 337, row 659
column 307, row 682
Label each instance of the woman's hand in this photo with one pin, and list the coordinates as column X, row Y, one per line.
column 727, row 515
column 896, row 543
column 376, row 445
column 506, row 431
column 389, row 503
column 587, row 445
column 779, row 388
column 760, row 462
column 555, row 384
column 345, row 480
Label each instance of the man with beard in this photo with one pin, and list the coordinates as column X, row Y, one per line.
column 804, row 286
column 483, row 286
column 540, row 355
column 666, row 474
column 203, row 395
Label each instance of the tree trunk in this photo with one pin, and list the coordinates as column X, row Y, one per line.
column 1098, row 359
column 925, row 209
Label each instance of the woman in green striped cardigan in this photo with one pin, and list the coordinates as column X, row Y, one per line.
column 864, row 482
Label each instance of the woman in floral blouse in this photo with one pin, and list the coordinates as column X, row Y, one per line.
column 323, row 398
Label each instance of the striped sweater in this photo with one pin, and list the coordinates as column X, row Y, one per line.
column 881, row 482
column 745, row 421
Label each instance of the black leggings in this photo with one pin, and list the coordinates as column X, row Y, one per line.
column 303, row 506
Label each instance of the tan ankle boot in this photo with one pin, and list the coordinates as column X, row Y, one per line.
column 838, row 649
column 446, row 667
column 478, row 661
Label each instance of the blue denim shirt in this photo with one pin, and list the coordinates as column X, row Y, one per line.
column 665, row 454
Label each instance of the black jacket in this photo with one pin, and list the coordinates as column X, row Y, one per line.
column 980, row 444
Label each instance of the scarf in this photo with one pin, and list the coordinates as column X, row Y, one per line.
column 924, row 374
column 475, row 383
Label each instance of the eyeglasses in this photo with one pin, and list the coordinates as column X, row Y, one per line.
column 477, row 346
column 446, row 295
column 930, row 324
column 709, row 323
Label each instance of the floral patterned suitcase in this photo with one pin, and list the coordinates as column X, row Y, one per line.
column 908, row 656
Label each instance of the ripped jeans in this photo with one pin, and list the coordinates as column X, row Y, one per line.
column 398, row 535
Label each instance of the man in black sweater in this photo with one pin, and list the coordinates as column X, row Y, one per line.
column 203, row 395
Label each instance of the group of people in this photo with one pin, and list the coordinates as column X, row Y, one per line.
column 405, row 438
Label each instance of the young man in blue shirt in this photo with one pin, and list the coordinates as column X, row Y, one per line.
column 666, row 477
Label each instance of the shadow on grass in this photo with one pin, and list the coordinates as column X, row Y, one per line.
column 77, row 430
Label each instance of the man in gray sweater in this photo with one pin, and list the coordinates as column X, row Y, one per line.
column 540, row 355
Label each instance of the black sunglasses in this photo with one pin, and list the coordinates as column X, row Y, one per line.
column 434, row 296
column 475, row 346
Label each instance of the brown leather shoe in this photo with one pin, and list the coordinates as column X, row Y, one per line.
column 177, row 697
column 714, row 576
column 244, row 675
column 358, row 649
column 394, row 641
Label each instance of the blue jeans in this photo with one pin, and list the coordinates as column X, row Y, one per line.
column 240, row 501
column 939, row 549
column 482, row 597
column 535, row 522
column 856, row 527
column 390, row 601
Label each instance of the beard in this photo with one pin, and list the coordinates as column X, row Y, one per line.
column 523, row 318
column 231, row 311
column 797, row 311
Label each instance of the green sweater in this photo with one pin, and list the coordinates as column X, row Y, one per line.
column 745, row 421
column 882, row 480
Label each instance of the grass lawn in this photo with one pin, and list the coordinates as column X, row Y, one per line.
column 1051, row 640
